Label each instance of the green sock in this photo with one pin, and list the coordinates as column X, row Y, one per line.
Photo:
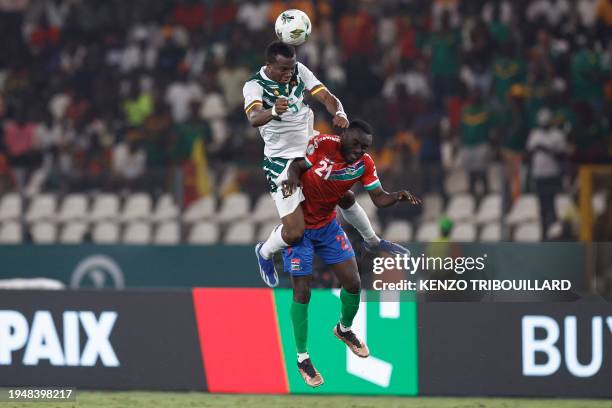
column 350, row 305
column 299, row 318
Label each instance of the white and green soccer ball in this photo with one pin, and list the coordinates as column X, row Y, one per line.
column 293, row 27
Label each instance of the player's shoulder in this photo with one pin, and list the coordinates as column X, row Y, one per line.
column 256, row 79
column 324, row 139
column 367, row 159
column 300, row 66
column 323, row 143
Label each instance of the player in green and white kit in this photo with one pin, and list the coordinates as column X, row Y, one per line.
column 274, row 103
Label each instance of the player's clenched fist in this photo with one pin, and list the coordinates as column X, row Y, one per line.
column 281, row 105
column 288, row 186
column 407, row 196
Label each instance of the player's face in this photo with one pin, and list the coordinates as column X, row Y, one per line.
column 355, row 145
column 281, row 69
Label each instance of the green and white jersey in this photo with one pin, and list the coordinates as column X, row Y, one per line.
column 288, row 135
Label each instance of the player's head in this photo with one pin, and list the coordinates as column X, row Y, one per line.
column 280, row 61
column 356, row 140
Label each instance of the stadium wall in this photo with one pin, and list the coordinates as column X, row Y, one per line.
column 239, row 340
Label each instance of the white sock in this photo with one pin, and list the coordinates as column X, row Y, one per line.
column 302, row 357
column 356, row 216
column 344, row 328
column 274, row 243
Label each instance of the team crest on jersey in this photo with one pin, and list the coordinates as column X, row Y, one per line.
column 276, row 93
column 310, row 149
column 295, row 264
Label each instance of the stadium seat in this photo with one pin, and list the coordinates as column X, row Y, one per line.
column 398, row 231
column 11, row 233
column 240, row 233
column 73, row 233
column 204, row 233
column 428, row 232
column 265, row 209
column 73, row 208
column 490, row 209
column 456, row 182
column 41, row 208
column 43, row 232
column 461, row 207
column 234, row 207
column 137, row 207
column 167, row 233
column 105, row 207
column 563, row 204
column 528, row 232
column 201, row 209
column 491, row 232
column 137, row 232
column 463, row 232
column 106, row 232
column 526, row 208
column 266, row 229
column 432, row 207
column 10, row 207
column 35, row 183
column 165, row 209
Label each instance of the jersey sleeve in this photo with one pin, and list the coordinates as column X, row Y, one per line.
column 253, row 95
column 310, row 80
column 312, row 152
column 369, row 179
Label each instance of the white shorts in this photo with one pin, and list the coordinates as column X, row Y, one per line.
column 276, row 169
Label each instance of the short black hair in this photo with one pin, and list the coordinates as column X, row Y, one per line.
column 362, row 125
column 279, row 48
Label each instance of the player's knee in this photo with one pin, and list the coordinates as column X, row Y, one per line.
column 347, row 200
column 301, row 294
column 353, row 285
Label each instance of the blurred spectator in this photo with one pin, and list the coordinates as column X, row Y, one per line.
column 444, row 45
column 547, row 148
column 476, row 125
column 128, row 165
column 512, row 124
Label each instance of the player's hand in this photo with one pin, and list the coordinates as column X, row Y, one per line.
column 407, row 196
column 340, row 121
column 281, row 105
column 288, row 186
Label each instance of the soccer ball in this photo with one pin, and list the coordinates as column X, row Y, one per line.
column 293, row 27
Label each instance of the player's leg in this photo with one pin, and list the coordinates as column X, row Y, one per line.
column 298, row 263
column 350, row 296
column 289, row 209
column 355, row 215
column 334, row 248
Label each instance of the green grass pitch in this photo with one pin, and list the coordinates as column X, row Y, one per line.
column 133, row 399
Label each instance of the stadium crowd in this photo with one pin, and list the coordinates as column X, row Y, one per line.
column 117, row 94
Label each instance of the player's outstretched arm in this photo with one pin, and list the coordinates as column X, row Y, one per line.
column 294, row 173
column 258, row 116
column 333, row 106
column 382, row 199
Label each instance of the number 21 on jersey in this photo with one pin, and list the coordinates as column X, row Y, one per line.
column 324, row 170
